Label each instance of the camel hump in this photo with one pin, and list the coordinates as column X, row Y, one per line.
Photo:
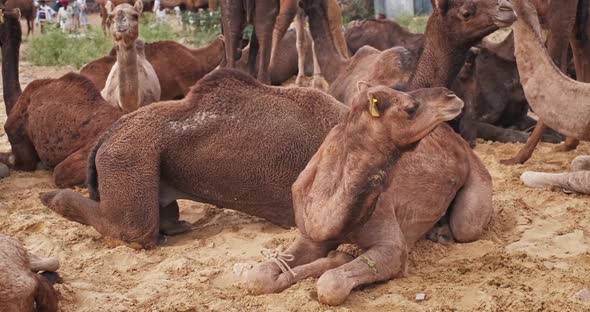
column 230, row 78
column 80, row 84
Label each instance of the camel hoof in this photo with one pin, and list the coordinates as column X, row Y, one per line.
column 162, row 239
column 441, row 235
column 332, row 288
column 564, row 148
column 175, row 228
column 299, row 81
column 47, row 198
column 511, row 162
column 4, row 171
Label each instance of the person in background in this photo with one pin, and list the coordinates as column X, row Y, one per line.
column 44, row 15
column 379, row 9
column 57, row 5
column 64, row 16
column 83, row 18
column 178, row 15
column 75, row 15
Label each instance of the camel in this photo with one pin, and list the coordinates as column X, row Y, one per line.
column 27, row 10
column 235, row 14
column 287, row 65
column 177, row 67
column 567, row 22
column 577, row 181
column 381, row 34
column 104, row 16
column 56, row 121
column 22, row 288
column 191, row 5
column 132, row 81
column 289, row 10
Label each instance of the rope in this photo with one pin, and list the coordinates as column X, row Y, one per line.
column 280, row 259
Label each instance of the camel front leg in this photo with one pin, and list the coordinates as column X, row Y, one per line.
column 267, row 277
column 264, row 21
column 287, row 11
column 383, row 261
column 233, row 22
column 300, row 44
column 317, row 81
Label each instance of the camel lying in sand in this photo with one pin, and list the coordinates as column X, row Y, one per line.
column 56, row 121
column 21, row 288
column 177, row 67
column 132, row 81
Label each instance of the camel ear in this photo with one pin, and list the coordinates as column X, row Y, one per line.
column 362, row 86
column 440, row 5
column 138, row 6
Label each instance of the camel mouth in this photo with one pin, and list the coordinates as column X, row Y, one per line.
column 504, row 18
column 452, row 109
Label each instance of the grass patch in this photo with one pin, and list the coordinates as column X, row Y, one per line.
column 150, row 31
column 56, row 48
column 416, row 24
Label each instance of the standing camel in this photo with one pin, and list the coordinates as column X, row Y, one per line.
column 568, row 22
column 289, row 10
column 27, row 11
column 236, row 14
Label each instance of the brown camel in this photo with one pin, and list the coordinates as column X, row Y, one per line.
column 22, row 288
column 381, row 34
column 289, row 10
column 236, row 14
column 177, row 67
column 288, row 64
column 567, row 22
column 190, row 5
column 56, row 121
column 446, row 49
column 577, row 181
column 558, row 100
column 104, row 16
column 132, row 81
column 27, row 11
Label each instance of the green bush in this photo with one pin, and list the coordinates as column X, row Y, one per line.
column 150, row 31
column 56, row 48
column 416, row 24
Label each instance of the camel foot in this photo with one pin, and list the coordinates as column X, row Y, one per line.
column 263, row 279
column 318, row 82
column 567, row 146
column 333, row 289
column 512, row 161
column 299, row 81
column 174, row 227
column 162, row 239
column 581, row 163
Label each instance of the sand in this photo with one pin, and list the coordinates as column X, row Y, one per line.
column 536, row 255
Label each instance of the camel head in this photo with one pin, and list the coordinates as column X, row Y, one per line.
column 124, row 22
column 9, row 24
column 339, row 188
column 466, row 21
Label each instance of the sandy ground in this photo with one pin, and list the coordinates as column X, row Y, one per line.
column 535, row 257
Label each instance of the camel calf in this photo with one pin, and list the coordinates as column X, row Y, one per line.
column 344, row 195
column 21, row 288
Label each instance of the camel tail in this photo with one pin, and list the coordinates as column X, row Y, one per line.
column 45, row 297
column 581, row 20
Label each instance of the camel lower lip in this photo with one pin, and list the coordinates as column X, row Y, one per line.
column 504, row 22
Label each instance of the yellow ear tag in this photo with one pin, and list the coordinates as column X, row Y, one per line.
column 373, row 109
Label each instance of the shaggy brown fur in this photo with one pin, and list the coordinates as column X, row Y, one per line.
column 187, row 157
column 27, row 11
column 10, row 40
column 177, row 66
column 21, row 288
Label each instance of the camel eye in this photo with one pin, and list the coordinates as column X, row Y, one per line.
column 411, row 109
column 135, row 16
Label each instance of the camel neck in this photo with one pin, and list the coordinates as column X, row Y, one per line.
column 330, row 60
column 441, row 59
column 213, row 53
column 128, row 78
column 10, row 60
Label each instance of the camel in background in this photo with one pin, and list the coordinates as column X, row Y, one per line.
column 27, row 9
column 56, row 121
column 177, row 67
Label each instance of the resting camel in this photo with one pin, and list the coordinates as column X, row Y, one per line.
column 235, row 14
column 256, row 175
column 56, row 121
column 123, row 88
column 22, row 288
column 27, row 11
column 568, row 22
column 381, row 34
column 177, row 67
